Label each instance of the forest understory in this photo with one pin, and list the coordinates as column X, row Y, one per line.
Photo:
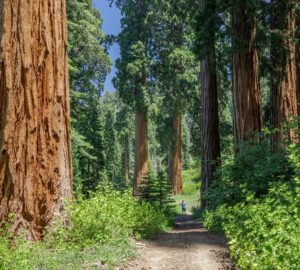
column 202, row 115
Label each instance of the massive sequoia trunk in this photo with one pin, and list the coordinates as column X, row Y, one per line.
column 246, row 86
column 141, row 151
column 210, row 137
column 35, row 157
column 283, row 71
column 176, row 155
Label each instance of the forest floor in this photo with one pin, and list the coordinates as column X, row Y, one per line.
column 188, row 246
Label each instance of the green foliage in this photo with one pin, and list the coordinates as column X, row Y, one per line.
column 263, row 228
column 13, row 256
column 186, row 145
column 99, row 230
column 88, row 66
column 132, row 80
column 156, row 189
column 251, row 172
column 108, row 215
column 191, row 189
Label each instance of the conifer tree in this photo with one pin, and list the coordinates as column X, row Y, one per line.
column 133, row 79
column 210, row 136
column 88, row 65
column 176, row 71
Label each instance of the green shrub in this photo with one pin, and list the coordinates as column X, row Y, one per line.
column 264, row 231
column 100, row 230
column 251, row 172
column 14, row 256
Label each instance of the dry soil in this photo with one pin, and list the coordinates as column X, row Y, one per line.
column 188, row 246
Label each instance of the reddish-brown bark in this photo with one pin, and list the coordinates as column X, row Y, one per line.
column 246, row 87
column 210, row 136
column 210, row 147
column 141, row 151
column 35, row 156
column 283, row 76
column 176, row 155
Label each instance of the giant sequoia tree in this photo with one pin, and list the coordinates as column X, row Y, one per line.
column 210, row 147
column 179, row 80
column 176, row 72
column 283, row 70
column 246, row 86
column 35, row 156
column 132, row 79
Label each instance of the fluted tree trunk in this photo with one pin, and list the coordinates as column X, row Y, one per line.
column 176, row 155
column 210, row 137
column 283, row 71
column 141, row 151
column 35, row 156
column 246, row 87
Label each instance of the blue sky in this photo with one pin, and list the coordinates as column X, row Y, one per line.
column 111, row 25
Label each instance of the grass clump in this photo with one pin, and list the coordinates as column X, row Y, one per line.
column 100, row 233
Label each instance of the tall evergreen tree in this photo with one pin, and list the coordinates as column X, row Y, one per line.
column 125, row 129
column 210, row 147
column 176, row 72
column 133, row 80
column 88, row 64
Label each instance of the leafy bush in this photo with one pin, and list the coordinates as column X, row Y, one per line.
column 264, row 231
column 251, row 172
column 157, row 190
column 100, row 229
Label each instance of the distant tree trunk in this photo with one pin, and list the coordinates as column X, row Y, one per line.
column 246, row 87
column 210, row 136
column 35, row 156
column 298, row 64
column 298, row 77
column 283, row 71
column 210, row 147
column 176, row 155
column 141, row 151
column 126, row 159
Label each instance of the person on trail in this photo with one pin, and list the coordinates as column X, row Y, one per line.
column 183, row 207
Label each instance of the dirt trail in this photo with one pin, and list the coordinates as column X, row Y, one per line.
column 188, row 247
